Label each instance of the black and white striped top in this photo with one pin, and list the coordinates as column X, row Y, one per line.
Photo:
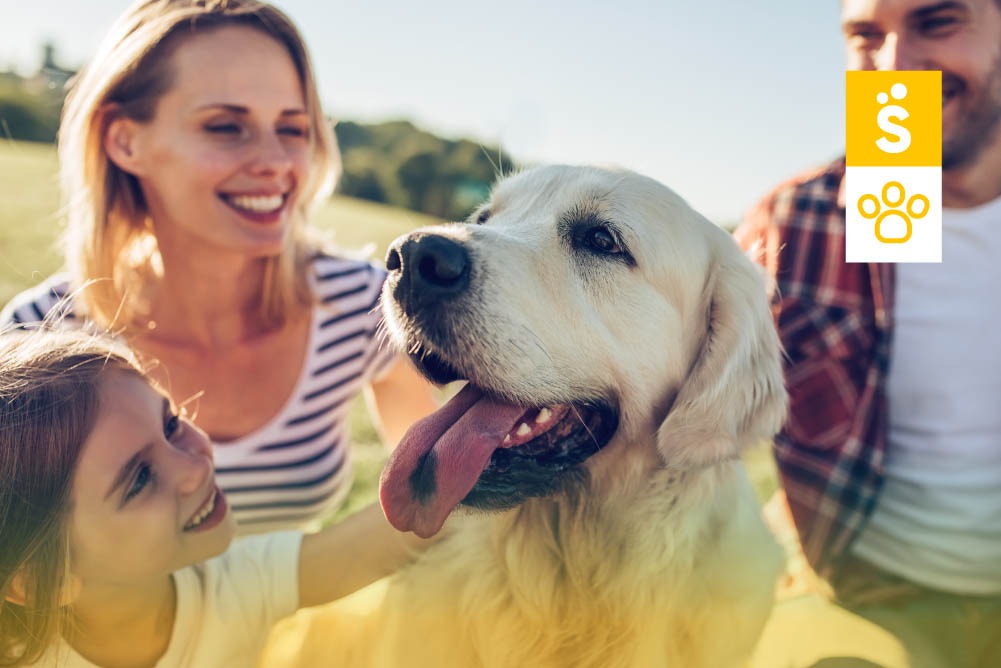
column 294, row 471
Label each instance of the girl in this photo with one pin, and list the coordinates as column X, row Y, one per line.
column 112, row 525
column 191, row 149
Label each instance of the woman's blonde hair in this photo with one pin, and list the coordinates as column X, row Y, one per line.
column 108, row 236
column 48, row 407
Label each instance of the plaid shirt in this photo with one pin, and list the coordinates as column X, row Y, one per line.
column 835, row 320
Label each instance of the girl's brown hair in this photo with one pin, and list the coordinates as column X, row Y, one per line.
column 48, row 406
column 108, row 235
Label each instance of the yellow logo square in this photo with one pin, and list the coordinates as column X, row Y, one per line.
column 894, row 119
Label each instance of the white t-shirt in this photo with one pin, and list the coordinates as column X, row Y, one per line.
column 225, row 606
column 937, row 520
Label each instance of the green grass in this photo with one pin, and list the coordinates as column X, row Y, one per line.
column 29, row 208
column 29, row 226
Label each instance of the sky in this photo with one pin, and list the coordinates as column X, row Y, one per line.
column 718, row 100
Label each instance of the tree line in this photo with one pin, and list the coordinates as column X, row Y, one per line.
column 392, row 162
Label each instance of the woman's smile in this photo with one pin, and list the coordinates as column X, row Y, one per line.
column 258, row 208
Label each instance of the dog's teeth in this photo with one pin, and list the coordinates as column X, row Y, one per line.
column 544, row 416
column 523, row 430
column 507, row 439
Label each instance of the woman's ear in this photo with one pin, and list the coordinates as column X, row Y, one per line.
column 121, row 142
column 17, row 594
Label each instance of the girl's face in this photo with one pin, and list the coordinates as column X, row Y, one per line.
column 144, row 501
column 223, row 159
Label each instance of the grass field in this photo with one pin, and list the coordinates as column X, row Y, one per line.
column 29, row 227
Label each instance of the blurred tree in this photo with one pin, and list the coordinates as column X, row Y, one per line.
column 28, row 116
column 397, row 163
column 393, row 162
column 417, row 173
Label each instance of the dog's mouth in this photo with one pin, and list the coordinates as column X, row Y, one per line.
column 487, row 453
column 435, row 368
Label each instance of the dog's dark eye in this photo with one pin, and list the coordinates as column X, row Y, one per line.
column 594, row 237
column 603, row 241
column 483, row 216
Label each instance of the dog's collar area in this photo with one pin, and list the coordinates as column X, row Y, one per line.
column 685, row 469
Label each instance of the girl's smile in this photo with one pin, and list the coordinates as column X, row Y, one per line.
column 210, row 514
column 145, row 500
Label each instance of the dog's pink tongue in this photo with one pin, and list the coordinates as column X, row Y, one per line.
column 440, row 458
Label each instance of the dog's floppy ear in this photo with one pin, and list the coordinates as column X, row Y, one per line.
column 734, row 394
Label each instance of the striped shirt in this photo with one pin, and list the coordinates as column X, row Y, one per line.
column 294, row 471
column 835, row 321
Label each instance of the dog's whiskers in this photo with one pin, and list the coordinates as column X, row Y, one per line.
column 497, row 171
column 382, row 334
column 590, row 433
column 535, row 340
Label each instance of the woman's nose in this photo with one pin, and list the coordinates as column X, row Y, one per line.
column 272, row 156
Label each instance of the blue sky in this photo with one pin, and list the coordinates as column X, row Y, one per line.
column 719, row 100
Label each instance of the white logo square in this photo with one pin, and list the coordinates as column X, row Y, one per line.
column 893, row 214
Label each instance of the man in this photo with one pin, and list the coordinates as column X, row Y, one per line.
column 891, row 456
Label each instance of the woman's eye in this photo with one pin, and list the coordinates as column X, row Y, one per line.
column 603, row 241
column 144, row 475
column 223, row 128
column 294, row 132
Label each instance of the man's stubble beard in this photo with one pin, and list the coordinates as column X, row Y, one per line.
column 976, row 127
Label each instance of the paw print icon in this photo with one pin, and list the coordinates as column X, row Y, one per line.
column 890, row 212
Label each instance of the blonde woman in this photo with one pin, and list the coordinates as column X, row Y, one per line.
column 191, row 149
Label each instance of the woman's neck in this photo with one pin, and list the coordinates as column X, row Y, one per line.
column 208, row 302
column 124, row 628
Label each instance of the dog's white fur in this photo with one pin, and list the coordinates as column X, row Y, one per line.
column 661, row 558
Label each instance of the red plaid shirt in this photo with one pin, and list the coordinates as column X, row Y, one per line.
column 835, row 321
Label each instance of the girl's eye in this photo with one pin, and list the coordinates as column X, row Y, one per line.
column 171, row 426
column 144, row 475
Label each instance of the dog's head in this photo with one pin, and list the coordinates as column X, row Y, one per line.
column 597, row 318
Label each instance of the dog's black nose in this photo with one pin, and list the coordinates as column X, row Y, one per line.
column 427, row 268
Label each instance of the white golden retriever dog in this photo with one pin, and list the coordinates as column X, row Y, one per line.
column 620, row 355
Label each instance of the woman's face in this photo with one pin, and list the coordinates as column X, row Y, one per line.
column 224, row 158
column 144, row 501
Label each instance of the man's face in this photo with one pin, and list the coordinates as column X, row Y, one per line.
column 962, row 38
